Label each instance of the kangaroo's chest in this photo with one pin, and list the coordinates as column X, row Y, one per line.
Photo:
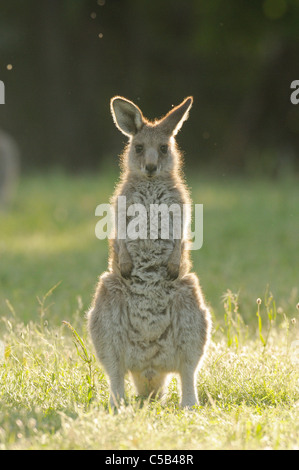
column 151, row 216
column 153, row 212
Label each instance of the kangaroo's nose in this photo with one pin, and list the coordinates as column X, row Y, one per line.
column 151, row 168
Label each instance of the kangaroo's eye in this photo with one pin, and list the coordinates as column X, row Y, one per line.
column 164, row 148
column 138, row 148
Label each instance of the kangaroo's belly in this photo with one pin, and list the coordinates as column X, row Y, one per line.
column 149, row 333
column 150, row 258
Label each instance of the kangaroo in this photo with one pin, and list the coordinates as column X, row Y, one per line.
column 148, row 315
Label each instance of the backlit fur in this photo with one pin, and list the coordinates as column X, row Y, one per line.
column 148, row 315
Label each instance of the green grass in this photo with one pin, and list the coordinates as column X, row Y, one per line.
column 54, row 395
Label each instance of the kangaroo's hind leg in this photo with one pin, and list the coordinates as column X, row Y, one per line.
column 188, row 386
column 192, row 326
column 117, row 388
column 106, row 331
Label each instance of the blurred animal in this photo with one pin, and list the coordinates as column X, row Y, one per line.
column 9, row 168
column 148, row 315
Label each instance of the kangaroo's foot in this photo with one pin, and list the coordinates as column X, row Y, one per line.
column 189, row 393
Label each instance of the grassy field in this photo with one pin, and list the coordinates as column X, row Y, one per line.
column 54, row 395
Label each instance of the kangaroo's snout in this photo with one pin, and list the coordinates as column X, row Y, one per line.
column 150, row 168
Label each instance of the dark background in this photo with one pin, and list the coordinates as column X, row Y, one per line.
column 237, row 58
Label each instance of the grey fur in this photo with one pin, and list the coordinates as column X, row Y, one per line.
column 148, row 315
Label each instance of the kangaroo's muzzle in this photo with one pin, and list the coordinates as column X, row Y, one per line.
column 150, row 168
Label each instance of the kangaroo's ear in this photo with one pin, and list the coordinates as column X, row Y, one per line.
column 173, row 121
column 126, row 115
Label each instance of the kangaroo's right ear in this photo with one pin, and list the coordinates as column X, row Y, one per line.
column 126, row 115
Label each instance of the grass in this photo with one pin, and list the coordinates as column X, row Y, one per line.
column 54, row 394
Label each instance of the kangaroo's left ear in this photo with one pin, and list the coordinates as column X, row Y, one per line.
column 127, row 116
column 173, row 121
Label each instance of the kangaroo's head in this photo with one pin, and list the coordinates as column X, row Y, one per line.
column 152, row 149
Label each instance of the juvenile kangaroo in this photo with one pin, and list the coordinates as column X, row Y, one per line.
column 148, row 315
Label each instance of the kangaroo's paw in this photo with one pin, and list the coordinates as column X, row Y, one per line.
column 173, row 270
column 126, row 269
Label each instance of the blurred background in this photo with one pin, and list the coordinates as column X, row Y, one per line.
column 62, row 60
